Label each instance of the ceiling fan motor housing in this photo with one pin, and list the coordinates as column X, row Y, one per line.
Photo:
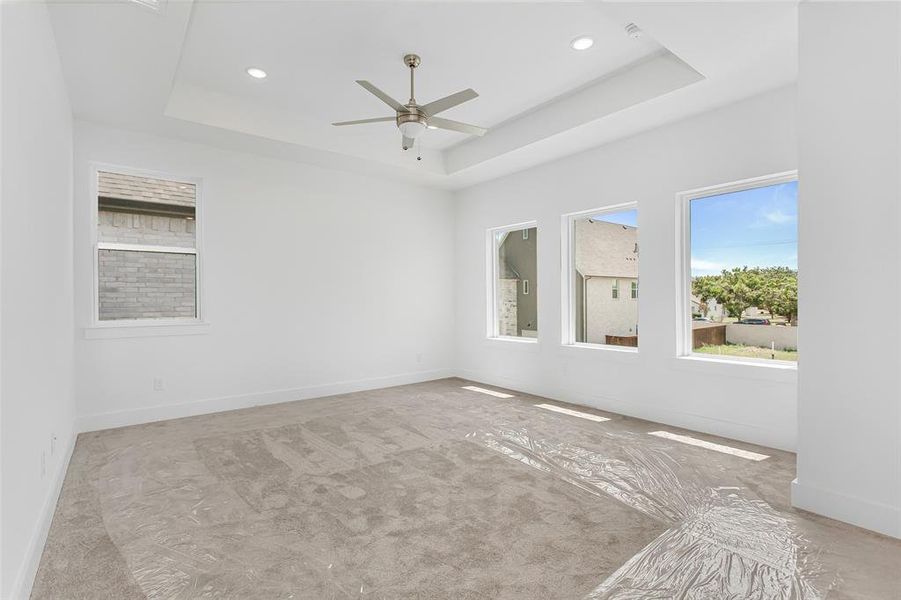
column 412, row 114
column 412, row 122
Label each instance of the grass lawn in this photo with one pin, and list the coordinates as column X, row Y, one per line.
column 748, row 352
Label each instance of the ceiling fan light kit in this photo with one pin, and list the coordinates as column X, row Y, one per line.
column 412, row 118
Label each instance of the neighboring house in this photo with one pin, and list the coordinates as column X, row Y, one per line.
column 136, row 215
column 606, row 281
column 517, row 298
column 714, row 311
column 753, row 311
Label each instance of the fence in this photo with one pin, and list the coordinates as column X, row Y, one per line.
column 622, row 340
column 707, row 334
column 765, row 336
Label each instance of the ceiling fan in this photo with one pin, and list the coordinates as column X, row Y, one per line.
column 412, row 118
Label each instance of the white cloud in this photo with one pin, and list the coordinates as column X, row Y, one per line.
column 698, row 264
column 778, row 217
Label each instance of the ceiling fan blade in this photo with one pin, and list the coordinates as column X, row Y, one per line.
column 456, row 126
column 360, row 121
column 433, row 108
column 407, row 143
column 382, row 95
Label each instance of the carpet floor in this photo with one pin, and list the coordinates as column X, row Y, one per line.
column 434, row 490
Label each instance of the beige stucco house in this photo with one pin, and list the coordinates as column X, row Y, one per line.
column 606, row 283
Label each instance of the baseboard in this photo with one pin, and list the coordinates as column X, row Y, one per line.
column 25, row 577
column 727, row 429
column 122, row 418
column 874, row 516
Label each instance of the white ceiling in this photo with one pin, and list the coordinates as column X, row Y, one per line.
column 180, row 72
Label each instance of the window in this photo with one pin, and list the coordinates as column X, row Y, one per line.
column 601, row 251
column 740, row 265
column 513, row 265
column 146, row 257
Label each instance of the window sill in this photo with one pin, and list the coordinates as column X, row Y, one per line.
column 781, row 371
column 133, row 330
column 513, row 341
column 603, row 347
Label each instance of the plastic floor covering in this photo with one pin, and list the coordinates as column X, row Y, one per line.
column 435, row 491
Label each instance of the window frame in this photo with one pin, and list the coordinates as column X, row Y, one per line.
column 493, row 270
column 142, row 327
column 684, row 348
column 568, row 270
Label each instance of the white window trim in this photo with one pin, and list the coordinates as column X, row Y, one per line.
column 120, row 328
column 492, row 271
column 683, row 269
column 568, row 271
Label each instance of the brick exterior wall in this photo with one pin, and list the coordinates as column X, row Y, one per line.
column 145, row 229
column 146, row 285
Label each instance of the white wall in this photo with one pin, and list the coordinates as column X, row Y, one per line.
column 316, row 282
column 36, row 288
column 849, row 92
column 754, row 403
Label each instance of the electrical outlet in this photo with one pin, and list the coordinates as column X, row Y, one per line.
column 419, row 357
column 52, row 444
column 158, row 384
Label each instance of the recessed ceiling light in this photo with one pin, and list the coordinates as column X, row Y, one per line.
column 582, row 43
column 256, row 73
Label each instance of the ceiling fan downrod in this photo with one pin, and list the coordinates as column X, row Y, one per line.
column 412, row 61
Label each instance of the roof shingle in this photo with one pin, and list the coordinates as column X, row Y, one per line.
column 145, row 189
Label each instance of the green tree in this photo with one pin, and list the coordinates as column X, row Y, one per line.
column 779, row 294
column 787, row 304
column 706, row 288
column 740, row 290
column 774, row 289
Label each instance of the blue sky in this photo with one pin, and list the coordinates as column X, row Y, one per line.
column 626, row 217
column 754, row 228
